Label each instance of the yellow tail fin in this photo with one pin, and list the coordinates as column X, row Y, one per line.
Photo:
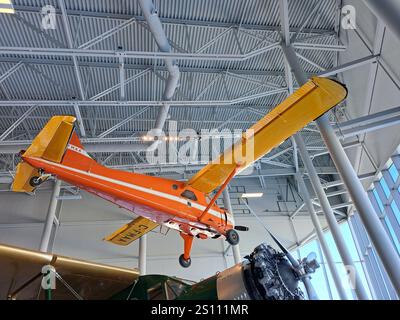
column 49, row 144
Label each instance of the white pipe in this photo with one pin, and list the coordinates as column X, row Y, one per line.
column 142, row 254
column 51, row 213
column 151, row 15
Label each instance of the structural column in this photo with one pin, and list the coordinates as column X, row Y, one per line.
column 377, row 233
column 316, row 183
column 321, row 238
column 51, row 213
column 142, row 254
column 228, row 206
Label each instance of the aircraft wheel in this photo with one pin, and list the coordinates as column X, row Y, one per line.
column 183, row 262
column 35, row 181
column 232, row 237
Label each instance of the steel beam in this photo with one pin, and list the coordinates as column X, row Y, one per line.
column 120, row 124
column 10, row 71
column 70, row 42
column 154, row 103
column 111, row 64
column 349, row 66
column 155, row 55
column 51, row 214
column 118, row 86
column 6, row 133
column 107, row 34
column 368, row 123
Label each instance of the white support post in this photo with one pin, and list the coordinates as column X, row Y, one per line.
column 51, row 213
column 228, row 206
column 321, row 238
column 142, row 254
column 292, row 60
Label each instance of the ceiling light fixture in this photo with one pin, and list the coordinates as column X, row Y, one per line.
column 252, row 195
column 6, row 6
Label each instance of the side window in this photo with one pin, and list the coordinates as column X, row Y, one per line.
column 189, row 195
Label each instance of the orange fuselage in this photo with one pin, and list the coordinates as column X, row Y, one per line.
column 167, row 202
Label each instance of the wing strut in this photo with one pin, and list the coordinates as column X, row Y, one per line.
column 224, row 185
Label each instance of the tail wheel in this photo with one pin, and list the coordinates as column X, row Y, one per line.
column 183, row 262
column 232, row 237
column 35, row 181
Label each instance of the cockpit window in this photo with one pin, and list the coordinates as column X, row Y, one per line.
column 189, row 195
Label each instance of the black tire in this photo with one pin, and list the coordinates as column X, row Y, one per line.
column 35, row 181
column 183, row 262
column 232, row 237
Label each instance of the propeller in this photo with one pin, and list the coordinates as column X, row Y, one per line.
column 307, row 265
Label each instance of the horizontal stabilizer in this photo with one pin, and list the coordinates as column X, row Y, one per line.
column 23, row 175
column 131, row 231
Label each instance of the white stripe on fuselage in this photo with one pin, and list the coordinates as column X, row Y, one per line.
column 78, row 150
column 142, row 189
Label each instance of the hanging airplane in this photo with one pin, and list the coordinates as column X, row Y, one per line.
column 183, row 206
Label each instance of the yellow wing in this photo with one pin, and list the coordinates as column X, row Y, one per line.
column 308, row 103
column 131, row 231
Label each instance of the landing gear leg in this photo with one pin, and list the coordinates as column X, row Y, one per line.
column 184, row 259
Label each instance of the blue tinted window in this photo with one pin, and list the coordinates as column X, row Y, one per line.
column 395, row 211
column 393, row 234
column 348, row 237
column 393, row 173
column 378, row 200
column 385, row 188
column 325, row 286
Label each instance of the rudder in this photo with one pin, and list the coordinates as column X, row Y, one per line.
column 50, row 144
